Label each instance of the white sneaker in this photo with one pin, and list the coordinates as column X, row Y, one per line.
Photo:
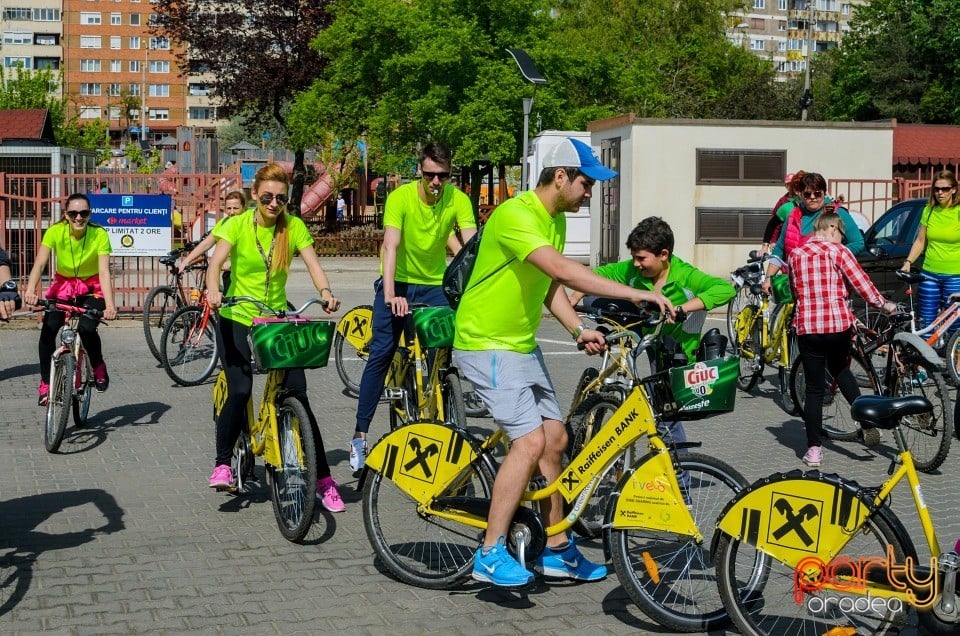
column 358, row 453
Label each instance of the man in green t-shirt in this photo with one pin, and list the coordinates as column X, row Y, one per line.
column 418, row 227
column 496, row 350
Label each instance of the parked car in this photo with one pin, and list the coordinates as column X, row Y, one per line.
column 887, row 243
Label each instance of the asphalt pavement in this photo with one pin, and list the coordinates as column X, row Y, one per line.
column 118, row 533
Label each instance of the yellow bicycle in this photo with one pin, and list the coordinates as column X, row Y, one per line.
column 814, row 553
column 426, row 502
column 280, row 432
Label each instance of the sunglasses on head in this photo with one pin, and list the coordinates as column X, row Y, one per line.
column 75, row 213
column 430, row 176
column 812, row 194
column 942, row 188
column 267, row 198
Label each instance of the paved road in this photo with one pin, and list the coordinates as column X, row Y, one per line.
column 119, row 533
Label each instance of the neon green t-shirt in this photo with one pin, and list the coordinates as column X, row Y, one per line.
column 942, row 255
column 248, row 265
column 505, row 310
column 77, row 258
column 424, row 230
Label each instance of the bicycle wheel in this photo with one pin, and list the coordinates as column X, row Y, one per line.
column 771, row 609
column 951, row 356
column 679, row 591
column 350, row 363
column 420, row 549
column 158, row 308
column 404, row 409
column 837, row 423
column 58, row 407
column 589, row 417
column 927, row 436
column 293, row 486
column 749, row 346
column 454, row 411
column 740, row 300
column 84, row 392
column 188, row 347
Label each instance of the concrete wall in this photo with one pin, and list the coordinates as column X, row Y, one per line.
column 658, row 171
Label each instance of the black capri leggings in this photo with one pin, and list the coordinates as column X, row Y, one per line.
column 235, row 358
column 86, row 327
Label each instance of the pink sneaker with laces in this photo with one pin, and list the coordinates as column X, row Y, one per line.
column 44, row 391
column 813, row 457
column 329, row 495
column 222, row 477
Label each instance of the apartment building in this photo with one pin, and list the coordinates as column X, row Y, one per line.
column 787, row 32
column 113, row 68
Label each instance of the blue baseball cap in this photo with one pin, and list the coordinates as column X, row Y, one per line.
column 573, row 153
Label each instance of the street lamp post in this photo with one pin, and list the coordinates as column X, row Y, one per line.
column 806, row 100
column 532, row 75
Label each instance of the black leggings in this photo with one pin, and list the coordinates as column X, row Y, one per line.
column 235, row 358
column 819, row 353
column 86, row 327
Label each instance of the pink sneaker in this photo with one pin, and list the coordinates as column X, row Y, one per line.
column 44, row 391
column 813, row 457
column 329, row 495
column 222, row 477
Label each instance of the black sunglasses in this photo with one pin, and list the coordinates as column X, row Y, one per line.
column 812, row 194
column 430, row 176
column 75, row 213
column 267, row 198
column 942, row 189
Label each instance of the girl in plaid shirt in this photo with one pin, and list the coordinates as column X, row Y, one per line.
column 823, row 321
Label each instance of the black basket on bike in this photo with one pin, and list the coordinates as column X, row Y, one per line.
column 291, row 343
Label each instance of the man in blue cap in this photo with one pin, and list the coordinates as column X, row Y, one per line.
column 519, row 269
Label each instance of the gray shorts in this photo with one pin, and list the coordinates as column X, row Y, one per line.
column 515, row 387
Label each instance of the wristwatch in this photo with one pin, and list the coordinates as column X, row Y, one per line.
column 9, row 286
column 578, row 330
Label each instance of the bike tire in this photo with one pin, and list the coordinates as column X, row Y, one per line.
column 740, row 300
column 951, row 357
column 62, row 371
column 770, row 608
column 84, row 392
column 685, row 597
column 188, row 348
column 749, row 347
column 592, row 413
column 454, row 410
column 419, row 549
column 158, row 307
column 293, row 486
column 927, row 436
column 837, row 423
column 350, row 362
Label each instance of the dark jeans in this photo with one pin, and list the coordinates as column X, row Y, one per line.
column 86, row 327
column 820, row 353
column 383, row 343
column 235, row 358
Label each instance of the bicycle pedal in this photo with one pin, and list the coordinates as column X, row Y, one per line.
column 393, row 393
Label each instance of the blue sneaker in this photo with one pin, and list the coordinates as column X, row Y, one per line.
column 570, row 564
column 499, row 568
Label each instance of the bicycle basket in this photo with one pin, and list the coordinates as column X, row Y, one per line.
column 434, row 326
column 291, row 343
column 780, row 284
column 705, row 388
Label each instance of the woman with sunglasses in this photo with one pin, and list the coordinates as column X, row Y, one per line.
column 82, row 277
column 939, row 241
column 812, row 200
column 260, row 244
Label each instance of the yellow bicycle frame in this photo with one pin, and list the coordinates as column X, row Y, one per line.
column 427, row 460
column 774, row 340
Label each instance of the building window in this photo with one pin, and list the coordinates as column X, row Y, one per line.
column 782, row 5
column 202, row 112
column 827, row 5
column 89, row 18
column 113, row 90
column 17, row 37
column 89, row 112
column 134, row 66
column 16, row 13
column 757, row 24
column 160, row 66
column 50, row 63
column 782, row 46
column 198, row 90
column 163, row 114
column 160, row 43
column 46, row 15
column 757, row 45
column 845, row 9
column 46, row 39
column 759, row 4
column 134, row 42
column 739, row 167
column 159, row 90
column 89, row 89
column 782, row 25
column 115, row 42
column 116, row 19
column 116, row 66
column 90, row 66
column 114, row 112
column 152, row 20
column 134, row 19
column 15, row 61
column 89, row 41
column 134, row 90
column 730, row 225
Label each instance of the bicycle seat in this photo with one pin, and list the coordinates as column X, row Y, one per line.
column 885, row 412
column 909, row 277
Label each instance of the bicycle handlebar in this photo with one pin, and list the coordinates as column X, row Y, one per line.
column 230, row 301
column 57, row 304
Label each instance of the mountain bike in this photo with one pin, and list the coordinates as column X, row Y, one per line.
column 71, row 374
column 833, row 556
column 163, row 300
column 764, row 336
column 426, row 502
column 910, row 367
column 188, row 347
column 420, row 383
column 280, row 432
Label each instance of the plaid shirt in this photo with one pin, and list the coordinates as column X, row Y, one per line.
column 818, row 270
